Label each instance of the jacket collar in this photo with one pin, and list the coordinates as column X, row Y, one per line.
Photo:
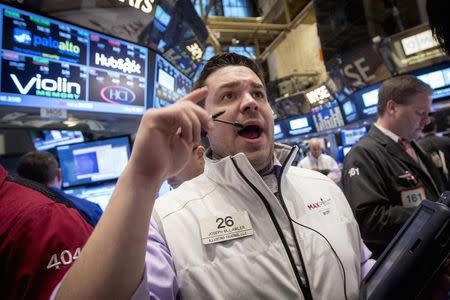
column 392, row 147
column 284, row 154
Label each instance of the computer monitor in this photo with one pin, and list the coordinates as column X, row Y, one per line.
column 47, row 63
column 349, row 111
column 48, row 139
column 300, row 125
column 170, row 84
column 95, row 161
column 100, row 194
column 352, row 136
column 366, row 100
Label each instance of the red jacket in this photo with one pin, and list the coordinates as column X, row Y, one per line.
column 39, row 240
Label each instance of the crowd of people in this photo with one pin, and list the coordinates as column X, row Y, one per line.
column 241, row 221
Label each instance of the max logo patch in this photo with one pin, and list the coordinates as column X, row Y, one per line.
column 322, row 205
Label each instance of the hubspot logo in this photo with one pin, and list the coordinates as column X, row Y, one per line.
column 117, row 95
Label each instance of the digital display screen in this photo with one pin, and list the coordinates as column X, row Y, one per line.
column 170, row 84
column 300, row 125
column 370, row 98
column 350, row 112
column 94, row 161
column 47, row 139
column 179, row 34
column 327, row 116
column 419, row 42
column 352, row 136
column 366, row 100
column 46, row 63
column 100, row 194
column 278, row 132
column 439, row 80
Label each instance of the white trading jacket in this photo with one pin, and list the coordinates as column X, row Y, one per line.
column 266, row 264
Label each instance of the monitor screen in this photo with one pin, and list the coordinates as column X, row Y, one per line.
column 352, row 136
column 327, row 116
column 278, row 132
column 100, row 194
column 170, row 84
column 350, row 112
column 47, row 139
column 366, row 100
column 178, row 33
column 300, row 125
column 94, row 161
column 439, row 80
column 46, row 63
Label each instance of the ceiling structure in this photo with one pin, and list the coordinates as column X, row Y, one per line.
column 263, row 32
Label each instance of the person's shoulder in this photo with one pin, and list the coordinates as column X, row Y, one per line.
column 192, row 190
column 40, row 238
column 307, row 174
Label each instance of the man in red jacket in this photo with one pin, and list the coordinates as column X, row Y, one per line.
column 41, row 236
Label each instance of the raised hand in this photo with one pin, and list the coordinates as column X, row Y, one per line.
column 165, row 137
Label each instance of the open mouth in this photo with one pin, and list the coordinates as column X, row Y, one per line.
column 251, row 132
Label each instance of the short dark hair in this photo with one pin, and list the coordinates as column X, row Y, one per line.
column 41, row 167
column 400, row 89
column 439, row 22
column 224, row 60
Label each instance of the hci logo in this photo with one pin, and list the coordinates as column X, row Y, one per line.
column 117, row 95
column 22, row 36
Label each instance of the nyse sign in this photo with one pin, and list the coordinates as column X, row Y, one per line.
column 143, row 5
column 359, row 71
column 363, row 66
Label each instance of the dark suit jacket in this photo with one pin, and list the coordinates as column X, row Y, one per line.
column 373, row 180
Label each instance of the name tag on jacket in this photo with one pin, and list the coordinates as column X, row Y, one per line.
column 225, row 227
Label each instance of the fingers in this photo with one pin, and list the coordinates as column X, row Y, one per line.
column 196, row 95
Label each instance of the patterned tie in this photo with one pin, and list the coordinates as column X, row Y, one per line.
column 406, row 146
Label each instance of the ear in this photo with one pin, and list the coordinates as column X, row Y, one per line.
column 391, row 107
column 59, row 176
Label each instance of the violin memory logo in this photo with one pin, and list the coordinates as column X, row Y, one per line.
column 59, row 88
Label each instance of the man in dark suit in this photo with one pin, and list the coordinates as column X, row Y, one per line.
column 386, row 175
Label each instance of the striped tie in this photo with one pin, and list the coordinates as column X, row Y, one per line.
column 406, row 146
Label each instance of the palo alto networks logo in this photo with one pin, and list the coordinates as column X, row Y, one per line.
column 117, row 95
column 47, row 87
column 22, row 36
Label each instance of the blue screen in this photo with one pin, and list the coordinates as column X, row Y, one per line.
column 95, row 161
column 51, row 64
